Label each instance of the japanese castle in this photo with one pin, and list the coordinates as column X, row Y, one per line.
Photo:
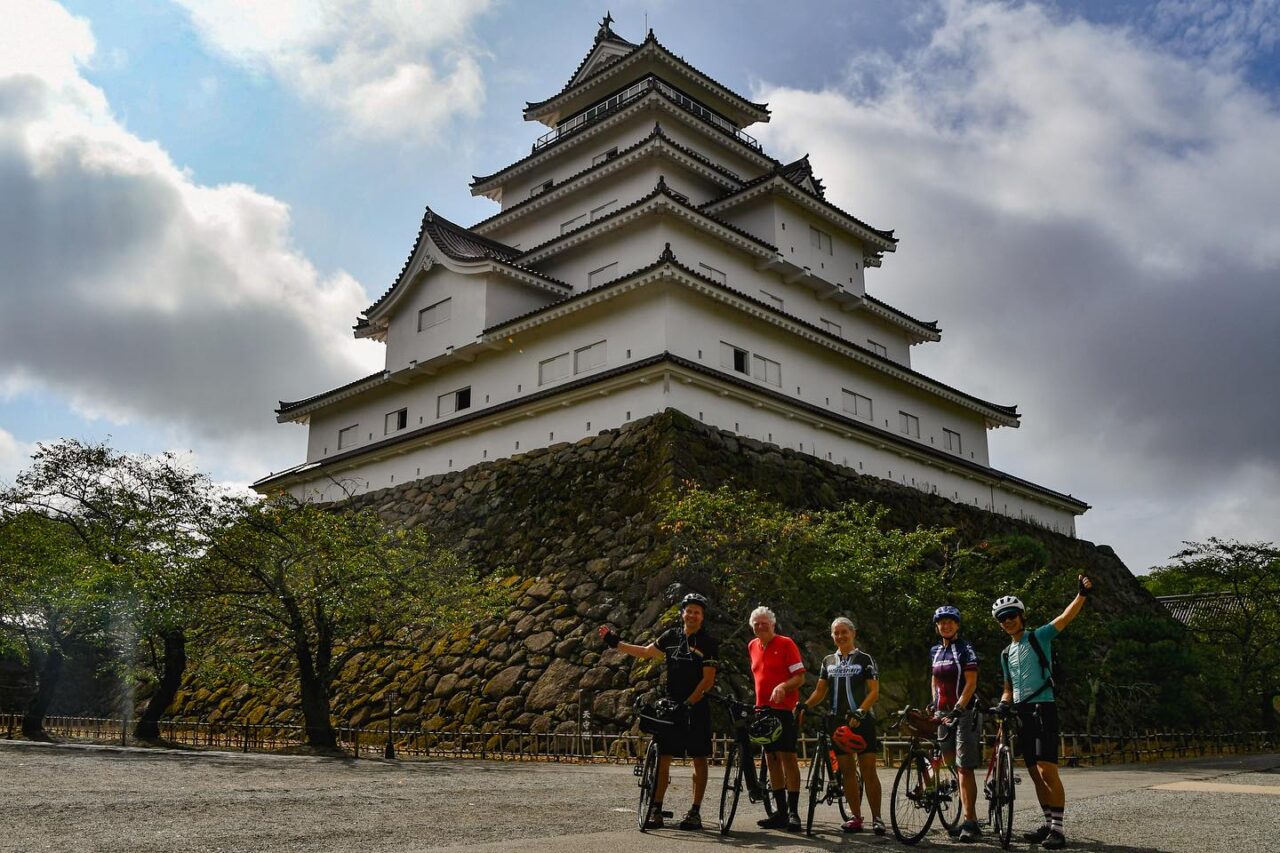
column 650, row 255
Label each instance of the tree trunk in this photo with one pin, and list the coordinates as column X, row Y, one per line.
column 175, row 664
column 46, row 683
column 315, row 713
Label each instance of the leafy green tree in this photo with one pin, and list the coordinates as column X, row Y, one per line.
column 140, row 520
column 321, row 587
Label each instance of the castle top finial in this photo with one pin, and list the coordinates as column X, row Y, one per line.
column 605, row 31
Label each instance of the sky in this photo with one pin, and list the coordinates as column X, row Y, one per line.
column 200, row 197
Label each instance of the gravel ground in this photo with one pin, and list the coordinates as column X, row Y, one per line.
column 86, row 798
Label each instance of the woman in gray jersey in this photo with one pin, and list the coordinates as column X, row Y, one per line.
column 849, row 683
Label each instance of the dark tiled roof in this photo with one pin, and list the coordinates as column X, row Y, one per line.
column 925, row 324
column 777, row 173
column 1200, row 607
column 656, row 134
column 604, row 34
column 297, row 404
column 477, row 180
column 663, row 190
column 798, row 171
column 651, row 39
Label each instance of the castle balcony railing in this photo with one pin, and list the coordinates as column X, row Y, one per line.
column 633, row 93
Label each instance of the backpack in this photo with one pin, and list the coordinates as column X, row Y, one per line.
column 1054, row 671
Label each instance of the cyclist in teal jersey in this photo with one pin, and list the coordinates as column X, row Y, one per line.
column 1028, row 687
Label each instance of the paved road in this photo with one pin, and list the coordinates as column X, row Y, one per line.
column 79, row 798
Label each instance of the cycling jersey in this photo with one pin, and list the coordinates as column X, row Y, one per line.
column 686, row 655
column 1022, row 666
column 772, row 665
column 950, row 662
column 847, row 677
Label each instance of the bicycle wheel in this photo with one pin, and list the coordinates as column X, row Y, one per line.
column 769, row 806
column 731, row 789
column 948, row 798
column 817, row 784
column 1002, row 803
column 911, row 807
column 837, row 782
column 648, row 783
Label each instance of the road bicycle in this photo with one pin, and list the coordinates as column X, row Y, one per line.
column 654, row 718
column 1001, row 783
column 745, row 768
column 825, row 784
column 926, row 786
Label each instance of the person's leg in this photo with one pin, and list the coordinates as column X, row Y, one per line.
column 870, row 781
column 849, row 776
column 968, row 792
column 664, row 777
column 777, row 790
column 699, row 780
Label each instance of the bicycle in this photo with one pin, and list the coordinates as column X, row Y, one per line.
column 825, row 784
column 925, row 786
column 740, row 764
column 1001, row 783
column 653, row 717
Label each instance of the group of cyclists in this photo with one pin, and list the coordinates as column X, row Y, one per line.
column 845, row 695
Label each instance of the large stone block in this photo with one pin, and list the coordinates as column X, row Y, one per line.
column 556, row 685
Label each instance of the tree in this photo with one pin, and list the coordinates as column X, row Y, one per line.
column 322, row 586
column 1239, row 617
column 140, row 520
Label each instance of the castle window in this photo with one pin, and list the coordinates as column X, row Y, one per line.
column 820, row 240
column 734, row 358
column 605, row 273
column 348, row 436
column 713, row 274
column 766, row 370
column 604, row 155
column 833, row 328
column 396, row 421
column 909, row 424
column 878, row 349
column 454, row 401
column 589, row 358
column 856, row 404
column 951, row 440
column 541, row 188
column 434, row 315
column 603, row 210
column 775, row 301
column 553, row 369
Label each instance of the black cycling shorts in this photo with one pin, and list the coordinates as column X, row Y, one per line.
column 786, row 741
column 1038, row 733
column 689, row 736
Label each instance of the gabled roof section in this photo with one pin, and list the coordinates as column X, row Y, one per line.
column 800, row 173
column 462, row 246
column 290, row 410
column 592, row 71
column 608, row 47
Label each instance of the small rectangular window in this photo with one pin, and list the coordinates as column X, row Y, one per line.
column 570, row 224
column 541, row 188
column 909, row 424
column 434, row 315
column 608, row 272
column 766, row 370
column 553, row 369
column 454, row 401
column 603, row 210
column 820, row 240
column 604, row 155
column 348, row 436
column 856, row 404
column 832, row 327
column 878, row 349
column 396, row 421
column 775, row 301
column 589, row 358
column 734, row 358
column 951, row 440
column 713, row 274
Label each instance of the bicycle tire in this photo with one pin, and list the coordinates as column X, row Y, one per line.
column 911, row 809
column 817, row 783
column 769, row 805
column 842, row 800
column 648, row 784
column 1002, row 816
column 948, row 801
column 731, row 788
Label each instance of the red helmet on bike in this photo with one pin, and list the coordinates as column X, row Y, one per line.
column 846, row 740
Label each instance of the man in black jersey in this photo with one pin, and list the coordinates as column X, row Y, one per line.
column 691, row 656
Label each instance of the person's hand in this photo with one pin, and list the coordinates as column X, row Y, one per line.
column 1003, row 708
column 778, row 695
column 610, row 639
column 800, row 709
column 1086, row 585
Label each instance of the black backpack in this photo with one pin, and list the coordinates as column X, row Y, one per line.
column 1054, row 671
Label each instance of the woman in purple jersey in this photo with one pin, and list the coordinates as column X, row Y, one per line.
column 955, row 680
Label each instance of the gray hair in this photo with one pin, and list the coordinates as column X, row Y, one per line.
column 762, row 611
column 843, row 620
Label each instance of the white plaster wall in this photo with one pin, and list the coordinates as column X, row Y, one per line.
column 467, row 308
column 504, row 299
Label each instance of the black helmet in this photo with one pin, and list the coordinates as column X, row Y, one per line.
column 764, row 729
column 694, row 598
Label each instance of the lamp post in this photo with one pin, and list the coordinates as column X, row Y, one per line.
column 392, row 699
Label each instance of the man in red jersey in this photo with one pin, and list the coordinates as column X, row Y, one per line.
column 778, row 672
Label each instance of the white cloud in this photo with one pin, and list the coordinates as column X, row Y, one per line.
column 1092, row 219
column 14, row 456
column 389, row 67
column 138, row 294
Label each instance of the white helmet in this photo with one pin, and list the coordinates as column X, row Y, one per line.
column 1007, row 604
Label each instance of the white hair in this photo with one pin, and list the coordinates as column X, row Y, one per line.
column 762, row 611
column 843, row 620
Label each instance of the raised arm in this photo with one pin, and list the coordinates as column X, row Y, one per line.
column 1077, row 603
column 613, row 641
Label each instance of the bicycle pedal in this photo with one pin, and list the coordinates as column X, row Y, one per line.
column 666, row 813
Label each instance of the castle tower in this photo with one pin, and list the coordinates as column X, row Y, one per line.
column 649, row 254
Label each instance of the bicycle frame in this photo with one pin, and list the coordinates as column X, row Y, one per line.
column 1000, row 785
